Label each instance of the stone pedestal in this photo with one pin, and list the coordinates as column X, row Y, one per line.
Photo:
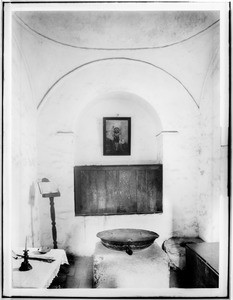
column 147, row 268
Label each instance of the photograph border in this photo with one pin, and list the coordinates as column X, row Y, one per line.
column 6, row 183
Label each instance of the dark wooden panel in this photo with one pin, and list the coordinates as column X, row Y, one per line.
column 124, row 199
column 151, row 190
column 159, row 189
column 77, row 191
column 92, row 191
column 132, row 201
column 86, row 197
column 142, row 203
column 126, row 189
column 121, row 208
column 112, row 191
column 101, row 192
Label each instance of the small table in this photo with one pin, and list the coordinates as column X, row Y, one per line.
column 42, row 273
column 203, row 265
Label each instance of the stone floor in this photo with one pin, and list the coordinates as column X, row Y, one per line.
column 178, row 279
column 79, row 275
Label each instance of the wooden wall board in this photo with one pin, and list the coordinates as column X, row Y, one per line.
column 125, row 189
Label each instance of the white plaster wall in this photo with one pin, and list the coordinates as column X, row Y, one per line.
column 70, row 133
column 25, row 215
column 70, row 116
column 211, row 174
column 145, row 123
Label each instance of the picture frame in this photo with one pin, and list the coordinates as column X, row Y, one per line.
column 116, row 136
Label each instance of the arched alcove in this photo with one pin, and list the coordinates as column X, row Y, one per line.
column 145, row 126
column 70, row 132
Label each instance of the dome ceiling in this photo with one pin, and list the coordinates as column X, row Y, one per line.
column 118, row 29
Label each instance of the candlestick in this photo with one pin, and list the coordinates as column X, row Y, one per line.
column 26, row 244
column 25, row 266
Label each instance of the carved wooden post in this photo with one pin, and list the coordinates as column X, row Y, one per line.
column 54, row 230
column 47, row 190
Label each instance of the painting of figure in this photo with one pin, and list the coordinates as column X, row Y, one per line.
column 116, row 134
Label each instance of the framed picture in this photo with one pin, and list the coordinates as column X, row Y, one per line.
column 116, row 136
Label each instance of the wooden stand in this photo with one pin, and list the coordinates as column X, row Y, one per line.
column 47, row 190
column 54, row 230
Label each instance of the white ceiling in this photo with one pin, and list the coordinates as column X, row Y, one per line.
column 116, row 30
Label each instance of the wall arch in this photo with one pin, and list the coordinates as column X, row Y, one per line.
column 155, row 91
column 109, row 59
column 75, row 90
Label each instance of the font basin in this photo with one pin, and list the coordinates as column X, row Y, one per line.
column 127, row 239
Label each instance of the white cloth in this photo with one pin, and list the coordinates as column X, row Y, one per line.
column 147, row 268
column 42, row 273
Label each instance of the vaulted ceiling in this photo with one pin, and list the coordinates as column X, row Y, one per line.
column 117, row 30
column 52, row 44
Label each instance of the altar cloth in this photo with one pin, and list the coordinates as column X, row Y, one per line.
column 147, row 268
column 42, row 273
